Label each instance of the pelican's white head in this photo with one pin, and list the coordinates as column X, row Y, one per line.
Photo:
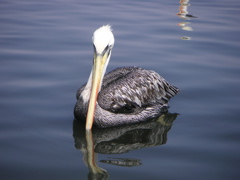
column 103, row 39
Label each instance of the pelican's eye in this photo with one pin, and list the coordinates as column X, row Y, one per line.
column 107, row 49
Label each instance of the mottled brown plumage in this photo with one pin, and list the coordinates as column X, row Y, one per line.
column 128, row 95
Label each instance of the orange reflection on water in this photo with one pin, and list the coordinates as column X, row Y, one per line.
column 183, row 14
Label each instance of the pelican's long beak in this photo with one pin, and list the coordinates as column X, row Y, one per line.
column 99, row 67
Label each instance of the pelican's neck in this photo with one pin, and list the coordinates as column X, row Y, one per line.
column 87, row 90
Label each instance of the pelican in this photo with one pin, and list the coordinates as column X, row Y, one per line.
column 125, row 95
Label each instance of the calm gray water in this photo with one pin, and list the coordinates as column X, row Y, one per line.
column 46, row 55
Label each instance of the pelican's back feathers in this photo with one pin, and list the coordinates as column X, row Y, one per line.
column 131, row 88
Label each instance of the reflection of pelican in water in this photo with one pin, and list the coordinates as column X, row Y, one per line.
column 125, row 95
column 118, row 140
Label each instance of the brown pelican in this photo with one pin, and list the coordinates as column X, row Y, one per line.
column 124, row 96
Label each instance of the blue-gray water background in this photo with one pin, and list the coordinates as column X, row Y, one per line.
column 46, row 55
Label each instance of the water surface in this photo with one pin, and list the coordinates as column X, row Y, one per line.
column 46, row 55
